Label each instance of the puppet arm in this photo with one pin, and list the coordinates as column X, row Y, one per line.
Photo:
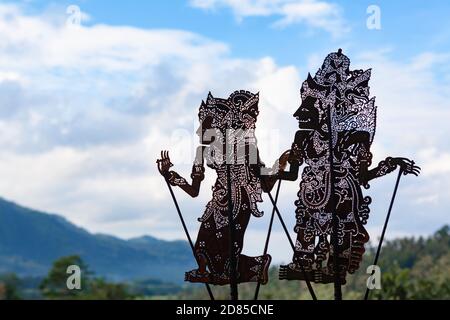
column 197, row 175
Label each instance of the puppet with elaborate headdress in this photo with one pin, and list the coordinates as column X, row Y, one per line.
column 224, row 124
column 337, row 116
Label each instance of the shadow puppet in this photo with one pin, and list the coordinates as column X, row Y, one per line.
column 336, row 100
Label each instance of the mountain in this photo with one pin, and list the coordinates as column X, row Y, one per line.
column 30, row 241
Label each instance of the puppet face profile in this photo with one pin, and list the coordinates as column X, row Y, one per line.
column 310, row 114
column 205, row 126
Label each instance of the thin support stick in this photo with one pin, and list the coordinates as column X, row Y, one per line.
column 208, row 288
column 380, row 244
column 234, row 295
column 269, row 232
column 310, row 288
column 334, row 235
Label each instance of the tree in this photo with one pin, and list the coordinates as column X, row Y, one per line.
column 9, row 284
column 54, row 286
column 102, row 290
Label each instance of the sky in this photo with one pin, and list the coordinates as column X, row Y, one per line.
column 88, row 99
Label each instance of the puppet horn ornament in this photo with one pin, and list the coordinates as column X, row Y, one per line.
column 380, row 244
column 180, row 215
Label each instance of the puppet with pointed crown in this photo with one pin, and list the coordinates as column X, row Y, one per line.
column 336, row 115
column 224, row 124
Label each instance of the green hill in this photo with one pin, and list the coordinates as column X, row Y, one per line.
column 30, row 241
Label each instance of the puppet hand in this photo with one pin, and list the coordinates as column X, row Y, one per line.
column 164, row 163
column 408, row 166
column 283, row 161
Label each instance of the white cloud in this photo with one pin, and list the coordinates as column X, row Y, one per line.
column 85, row 112
column 315, row 14
column 435, row 163
column 412, row 122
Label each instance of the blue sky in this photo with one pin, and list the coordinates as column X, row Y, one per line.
column 86, row 109
column 408, row 26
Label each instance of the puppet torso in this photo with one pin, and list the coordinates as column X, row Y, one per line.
column 246, row 191
column 314, row 211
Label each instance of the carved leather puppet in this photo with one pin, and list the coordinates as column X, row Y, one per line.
column 238, row 113
column 343, row 95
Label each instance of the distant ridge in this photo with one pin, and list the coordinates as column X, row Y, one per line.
column 31, row 240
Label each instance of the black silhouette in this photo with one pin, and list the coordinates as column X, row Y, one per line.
column 226, row 123
column 337, row 120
